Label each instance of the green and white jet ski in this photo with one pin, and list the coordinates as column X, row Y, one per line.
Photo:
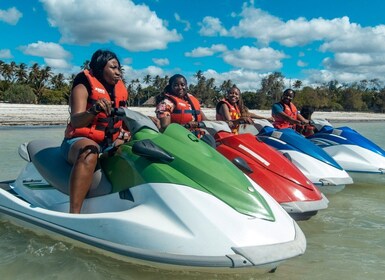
column 159, row 199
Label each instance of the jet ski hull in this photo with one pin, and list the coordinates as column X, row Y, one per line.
column 319, row 167
column 274, row 172
column 161, row 199
column 142, row 231
column 355, row 153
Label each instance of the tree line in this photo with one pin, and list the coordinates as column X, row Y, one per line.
column 39, row 85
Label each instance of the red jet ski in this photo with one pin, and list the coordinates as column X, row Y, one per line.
column 275, row 173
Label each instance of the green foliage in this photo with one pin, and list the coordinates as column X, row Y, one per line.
column 54, row 97
column 21, row 94
column 379, row 101
column 17, row 80
column 250, row 100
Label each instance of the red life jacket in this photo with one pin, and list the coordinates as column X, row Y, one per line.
column 103, row 128
column 185, row 111
column 291, row 111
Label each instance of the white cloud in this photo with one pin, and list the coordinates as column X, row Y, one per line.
column 353, row 48
column 301, row 63
column 130, row 73
column 203, row 51
column 133, row 27
column 127, row 60
column 185, row 22
column 5, row 53
column 244, row 79
column 161, row 61
column 266, row 59
column 258, row 24
column 211, row 26
column 57, row 63
column 54, row 55
column 10, row 16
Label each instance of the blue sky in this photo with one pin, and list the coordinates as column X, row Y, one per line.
column 310, row 40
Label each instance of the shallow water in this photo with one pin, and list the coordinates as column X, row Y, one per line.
column 344, row 241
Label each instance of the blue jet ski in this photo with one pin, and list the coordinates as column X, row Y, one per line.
column 355, row 153
column 317, row 165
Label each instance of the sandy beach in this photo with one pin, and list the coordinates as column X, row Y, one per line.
column 42, row 115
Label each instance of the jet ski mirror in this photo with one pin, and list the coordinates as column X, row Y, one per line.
column 319, row 124
column 242, row 164
column 148, row 149
column 134, row 121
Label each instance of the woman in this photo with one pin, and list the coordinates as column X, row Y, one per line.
column 91, row 129
column 176, row 105
column 232, row 110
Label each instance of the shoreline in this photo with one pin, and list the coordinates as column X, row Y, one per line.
column 50, row 115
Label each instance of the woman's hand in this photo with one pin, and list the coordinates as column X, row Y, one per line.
column 244, row 120
column 105, row 105
column 156, row 121
column 102, row 105
column 191, row 125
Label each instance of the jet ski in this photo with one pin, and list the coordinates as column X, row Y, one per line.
column 161, row 199
column 269, row 169
column 319, row 167
column 359, row 156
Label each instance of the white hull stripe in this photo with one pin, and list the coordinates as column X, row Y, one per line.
column 258, row 157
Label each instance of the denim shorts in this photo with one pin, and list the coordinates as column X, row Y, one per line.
column 66, row 145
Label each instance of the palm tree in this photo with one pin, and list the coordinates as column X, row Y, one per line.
column 21, row 73
column 7, row 71
column 58, row 81
column 226, row 86
column 147, row 80
column 38, row 78
column 85, row 65
column 297, row 84
column 198, row 75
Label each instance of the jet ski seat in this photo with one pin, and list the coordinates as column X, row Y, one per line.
column 48, row 160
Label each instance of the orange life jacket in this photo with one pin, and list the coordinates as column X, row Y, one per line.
column 103, row 129
column 185, row 111
column 305, row 130
column 291, row 111
column 234, row 113
column 233, row 110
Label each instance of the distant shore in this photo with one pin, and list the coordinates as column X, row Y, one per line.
column 44, row 115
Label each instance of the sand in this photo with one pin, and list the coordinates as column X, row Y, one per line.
column 43, row 115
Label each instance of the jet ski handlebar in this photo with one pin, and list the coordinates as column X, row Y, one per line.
column 134, row 120
column 194, row 125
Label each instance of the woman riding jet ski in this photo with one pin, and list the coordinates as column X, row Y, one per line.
column 269, row 169
column 163, row 198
